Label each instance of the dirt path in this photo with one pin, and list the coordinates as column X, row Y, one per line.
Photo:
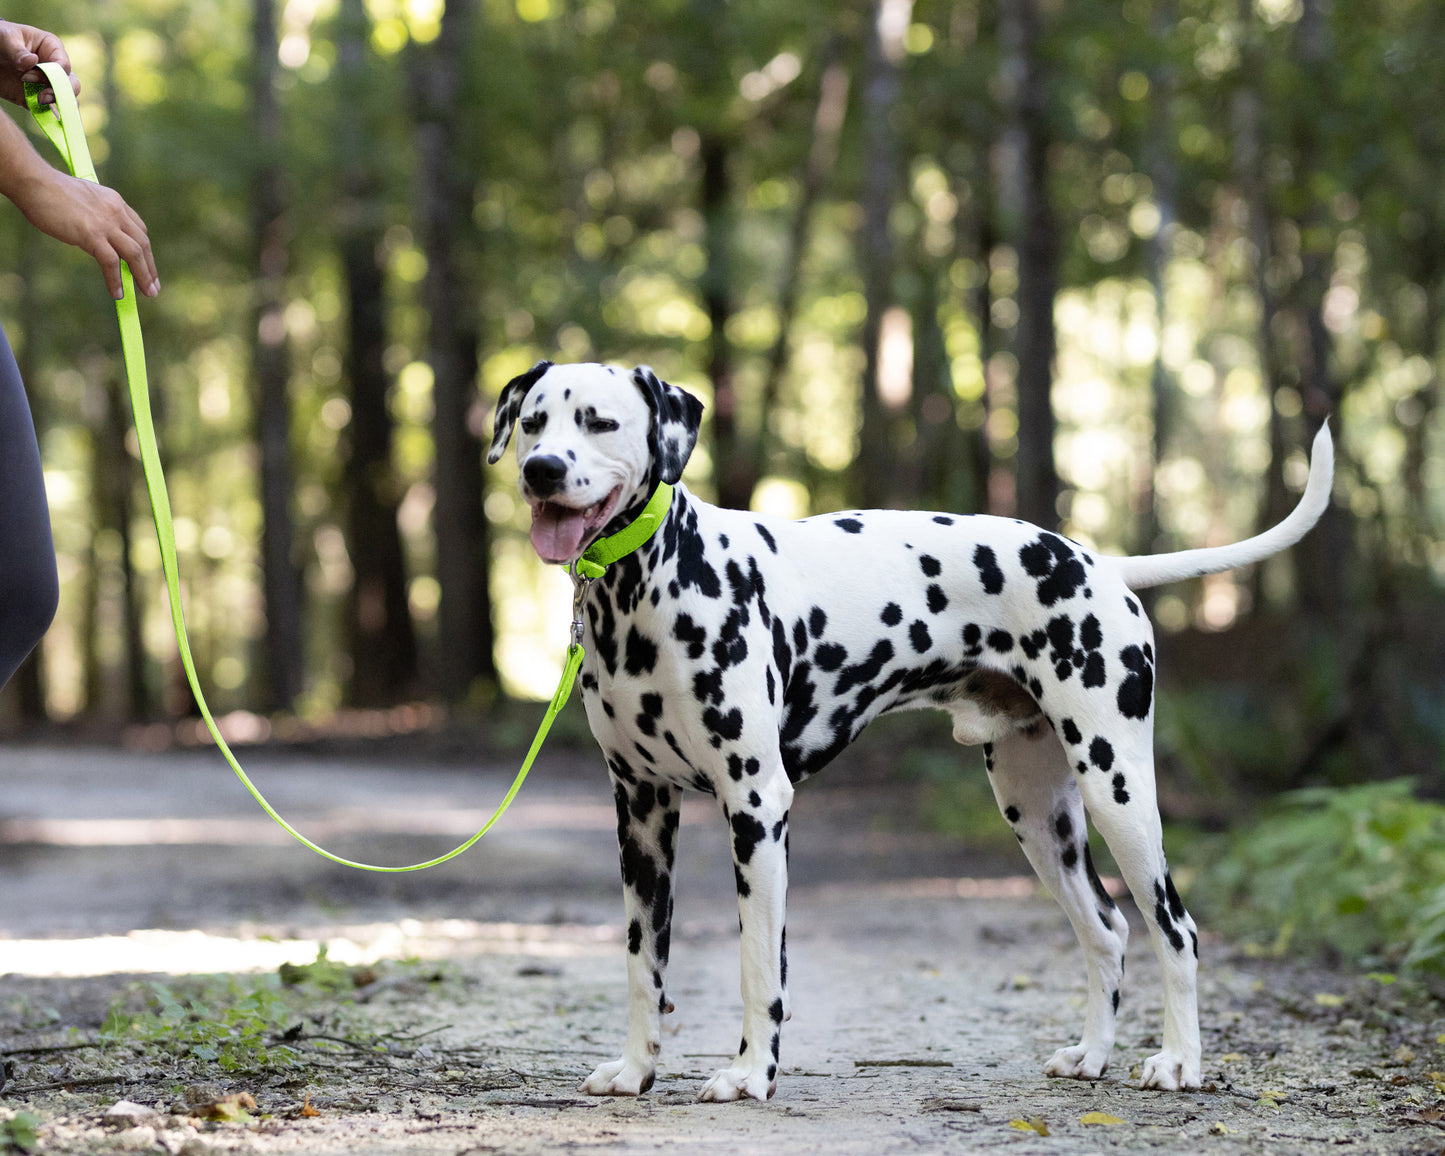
column 928, row 985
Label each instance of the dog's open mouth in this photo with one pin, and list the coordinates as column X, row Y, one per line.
column 560, row 533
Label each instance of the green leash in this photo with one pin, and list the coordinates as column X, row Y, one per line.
column 61, row 123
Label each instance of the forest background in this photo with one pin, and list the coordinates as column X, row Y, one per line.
column 1104, row 266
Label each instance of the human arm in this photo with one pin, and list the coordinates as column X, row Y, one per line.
column 80, row 213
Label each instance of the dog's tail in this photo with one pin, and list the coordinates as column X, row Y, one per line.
column 1157, row 569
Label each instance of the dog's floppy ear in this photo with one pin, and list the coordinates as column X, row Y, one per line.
column 676, row 417
column 509, row 405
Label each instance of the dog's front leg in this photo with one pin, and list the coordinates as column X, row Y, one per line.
column 647, row 821
column 757, row 811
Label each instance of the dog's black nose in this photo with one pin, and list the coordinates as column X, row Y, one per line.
column 544, row 475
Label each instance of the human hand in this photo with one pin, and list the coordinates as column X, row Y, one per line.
column 22, row 48
column 96, row 219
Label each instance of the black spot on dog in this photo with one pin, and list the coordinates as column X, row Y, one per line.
column 1071, row 733
column 766, row 536
column 937, row 599
column 1070, row 857
column 892, row 614
column 724, row 727
column 971, row 636
column 1132, row 605
column 1058, row 569
column 775, row 1011
column 849, row 525
column 986, row 561
column 1011, row 813
column 707, row 686
column 686, row 631
column 1136, row 692
column 830, row 656
column 747, row 834
column 943, row 520
column 640, row 653
column 930, row 565
column 1164, row 920
column 817, row 622
column 1101, row 753
column 1033, row 644
column 1116, row 1001
column 865, row 671
column 919, row 636
column 1121, row 796
column 1098, row 885
column 1063, row 826
column 1176, row 905
column 693, row 569
column 634, row 937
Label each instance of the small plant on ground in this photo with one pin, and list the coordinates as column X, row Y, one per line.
column 1358, row 872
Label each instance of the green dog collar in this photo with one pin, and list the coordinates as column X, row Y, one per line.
column 605, row 551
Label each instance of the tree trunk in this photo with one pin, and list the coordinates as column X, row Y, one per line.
column 1325, row 558
column 270, row 368
column 980, row 304
column 1037, row 483
column 117, row 482
column 1164, row 173
column 378, row 622
column 444, row 202
column 1247, row 116
column 729, row 457
column 877, row 453
column 827, row 126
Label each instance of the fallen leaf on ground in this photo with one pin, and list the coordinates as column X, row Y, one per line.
column 1032, row 1124
column 1100, row 1118
column 1221, row 1130
column 1329, row 999
column 307, row 1109
column 228, row 1109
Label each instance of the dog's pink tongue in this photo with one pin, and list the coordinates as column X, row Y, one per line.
column 557, row 532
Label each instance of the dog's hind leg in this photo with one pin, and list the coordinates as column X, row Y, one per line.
column 1118, row 789
column 757, row 811
column 1036, row 792
column 647, row 820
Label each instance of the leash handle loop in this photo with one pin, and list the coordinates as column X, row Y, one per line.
column 62, row 125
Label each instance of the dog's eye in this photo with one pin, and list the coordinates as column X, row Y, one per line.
column 601, row 425
column 533, row 423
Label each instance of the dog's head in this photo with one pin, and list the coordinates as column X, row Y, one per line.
column 592, row 443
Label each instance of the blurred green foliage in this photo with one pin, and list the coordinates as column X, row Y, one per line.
column 1357, row 873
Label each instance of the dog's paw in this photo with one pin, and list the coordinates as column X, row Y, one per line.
column 737, row 1083
column 619, row 1078
column 1170, row 1073
column 1080, row 1062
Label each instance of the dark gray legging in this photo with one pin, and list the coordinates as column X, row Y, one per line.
column 29, row 587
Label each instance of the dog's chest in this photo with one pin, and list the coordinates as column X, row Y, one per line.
column 677, row 677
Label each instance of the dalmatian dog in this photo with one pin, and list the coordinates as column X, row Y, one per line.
column 736, row 654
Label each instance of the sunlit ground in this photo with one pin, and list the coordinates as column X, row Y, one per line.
column 201, row 953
